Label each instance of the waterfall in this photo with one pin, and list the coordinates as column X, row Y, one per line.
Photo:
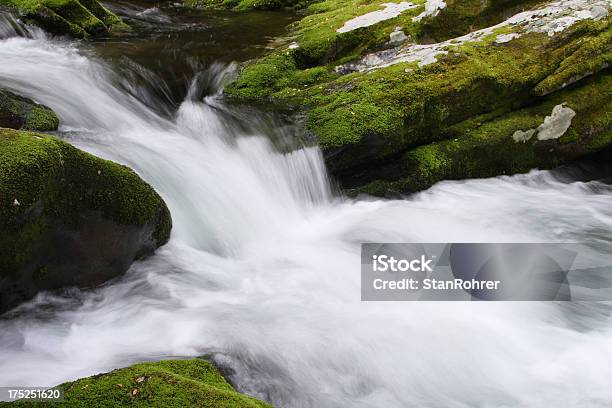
column 263, row 270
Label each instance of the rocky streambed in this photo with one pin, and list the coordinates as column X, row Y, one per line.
column 230, row 119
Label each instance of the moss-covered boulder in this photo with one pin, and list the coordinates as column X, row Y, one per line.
column 68, row 218
column 171, row 383
column 570, row 124
column 375, row 84
column 77, row 18
column 17, row 112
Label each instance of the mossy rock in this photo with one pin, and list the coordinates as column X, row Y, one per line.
column 170, row 383
column 68, row 218
column 367, row 116
column 77, row 18
column 364, row 119
column 484, row 146
column 17, row 112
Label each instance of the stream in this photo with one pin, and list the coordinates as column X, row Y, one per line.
column 262, row 272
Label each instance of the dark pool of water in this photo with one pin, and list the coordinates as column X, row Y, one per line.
column 169, row 32
column 170, row 43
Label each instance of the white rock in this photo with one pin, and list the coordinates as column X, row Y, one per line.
column 432, row 8
column 397, row 36
column 550, row 19
column 16, row 203
column 598, row 12
column 520, row 136
column 390, row 11
column 430, row 58
column 504, row 38
column 556, row 124
column 294, row 45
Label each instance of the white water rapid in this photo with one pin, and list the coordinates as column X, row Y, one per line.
column 263, row 268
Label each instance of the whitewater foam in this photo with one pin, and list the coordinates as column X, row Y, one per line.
column 262, row 270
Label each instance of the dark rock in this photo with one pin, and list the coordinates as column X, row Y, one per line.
column 68, row 218
column 17, row 112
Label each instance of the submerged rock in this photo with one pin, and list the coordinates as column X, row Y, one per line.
column 68, row 218
column 17, row 112
column 170, row 383
column 77, row 18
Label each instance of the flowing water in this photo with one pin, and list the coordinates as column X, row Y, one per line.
column 263, row 269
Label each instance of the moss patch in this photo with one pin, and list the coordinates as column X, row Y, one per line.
column 78, row 18
column 21, row 113
column 173, row 383
column 484, row 147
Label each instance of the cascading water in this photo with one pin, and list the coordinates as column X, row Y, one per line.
column 262, row 271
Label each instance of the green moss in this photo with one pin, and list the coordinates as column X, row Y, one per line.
column 364, row 117
column 103, row 14
column 264, row 78
column 22, row 113
column 400, row 109
column 591, row 54
column 320, row 45
column 364, row 121
column 41, row 118
column 73, row 17
column 173, row 383
column 484, row 147
column 46, row 182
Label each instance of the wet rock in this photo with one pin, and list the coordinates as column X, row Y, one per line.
column 63, row 222
column 17, row 112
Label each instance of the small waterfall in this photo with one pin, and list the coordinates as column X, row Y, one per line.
column 262, row 270
column 11, row 27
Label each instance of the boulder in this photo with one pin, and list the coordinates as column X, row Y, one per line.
column 573, row 123
column 68, row 218
column 17, row 112
column 373, row 103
